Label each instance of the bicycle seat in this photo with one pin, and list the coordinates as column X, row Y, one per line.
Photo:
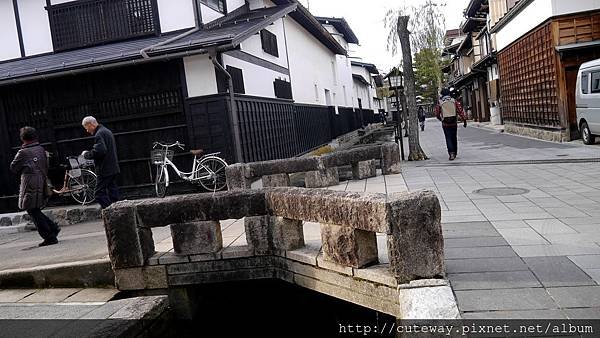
column 197, row 152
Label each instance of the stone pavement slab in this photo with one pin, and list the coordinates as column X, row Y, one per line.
column 92, row 295
column 14, row 295
column 577, row 296
column 49, row 296
column 527, row 314
column 480, row 252
column 485, row 265
column 557, row 271
column 504, row 299
column 493, row 280
column 471, row 242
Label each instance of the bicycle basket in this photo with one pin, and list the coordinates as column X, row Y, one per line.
column 84, row 162
column 158, row 155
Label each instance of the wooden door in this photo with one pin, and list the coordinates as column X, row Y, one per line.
column 571, row 81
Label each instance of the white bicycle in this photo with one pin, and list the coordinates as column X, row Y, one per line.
column 207, row 170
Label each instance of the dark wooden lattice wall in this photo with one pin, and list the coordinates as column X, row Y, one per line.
column 529, row 80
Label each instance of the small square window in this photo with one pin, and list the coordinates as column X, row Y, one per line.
column 585, row 83
column 269, row 42
column 596, row 82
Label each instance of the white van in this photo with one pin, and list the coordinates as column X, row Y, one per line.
column 587, row 98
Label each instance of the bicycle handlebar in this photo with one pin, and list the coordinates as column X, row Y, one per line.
column 176, row 144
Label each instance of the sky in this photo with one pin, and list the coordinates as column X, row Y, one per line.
column 366, row 20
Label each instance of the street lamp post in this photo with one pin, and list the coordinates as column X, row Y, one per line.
column 397, row 131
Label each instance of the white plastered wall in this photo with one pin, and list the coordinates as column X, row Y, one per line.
column 200, row 76
column 258, row 81
column 310, row 65
column 35, row 26
column 9, row 37
column 253, row 45
column 176, row 15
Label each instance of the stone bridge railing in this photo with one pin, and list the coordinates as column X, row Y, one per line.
column 321, row 171
column 349, row 223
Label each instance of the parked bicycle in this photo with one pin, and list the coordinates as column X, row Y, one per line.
column 80, row 180
column 207, row 170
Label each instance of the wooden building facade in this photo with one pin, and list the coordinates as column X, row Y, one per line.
column 538, row 74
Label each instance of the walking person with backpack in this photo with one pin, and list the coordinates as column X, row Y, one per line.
column 31, row 162
column 448, row 110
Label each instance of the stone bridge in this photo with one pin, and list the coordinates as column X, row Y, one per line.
column 409, row 284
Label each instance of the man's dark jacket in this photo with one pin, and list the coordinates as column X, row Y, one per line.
column 104, row 152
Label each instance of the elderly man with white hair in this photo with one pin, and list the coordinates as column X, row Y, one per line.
column 104, row 154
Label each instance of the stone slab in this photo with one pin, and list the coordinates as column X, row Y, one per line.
column 524, row 236
column 358, row 210
column 325, row 264
column 493, row 280
column 472, row 242
column 305, row 255
column 557, row 271
column 557, row 250
column 237, row 252
column 49, row 296
column 482, row 252
column 578, row 296
column 92, row 295
column 504, row 299
column 485, row 265
column 583, row 313
column 377, row 273
column 14, row 295
column 586, row 261
column 521, row 315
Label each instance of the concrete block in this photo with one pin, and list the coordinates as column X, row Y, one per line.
column 288, row 234
column 322, row 178
column 236, row 177
column 390, row 159
column 124, row 248
column 428, row 303
column 276, row 180
column 197, row 238
column 347, row 246
column 74, row 216
column 5, row 221
column 415, row 244
column 16, row 220
column 259, row 234
column 146, row 242
column 92, row 213
column 148, row 277
column 364, row 169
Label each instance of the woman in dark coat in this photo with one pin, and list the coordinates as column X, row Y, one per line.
column 31, row 163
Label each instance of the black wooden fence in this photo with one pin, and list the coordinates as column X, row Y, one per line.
column 269, row 128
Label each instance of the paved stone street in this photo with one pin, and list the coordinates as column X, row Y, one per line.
column 510, row 253
column 531, row 255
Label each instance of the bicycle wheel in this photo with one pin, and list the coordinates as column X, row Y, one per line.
column 83, row 188
column 216, row 167
column 162, row 179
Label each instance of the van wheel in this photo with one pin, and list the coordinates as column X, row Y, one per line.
column 586, row 134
